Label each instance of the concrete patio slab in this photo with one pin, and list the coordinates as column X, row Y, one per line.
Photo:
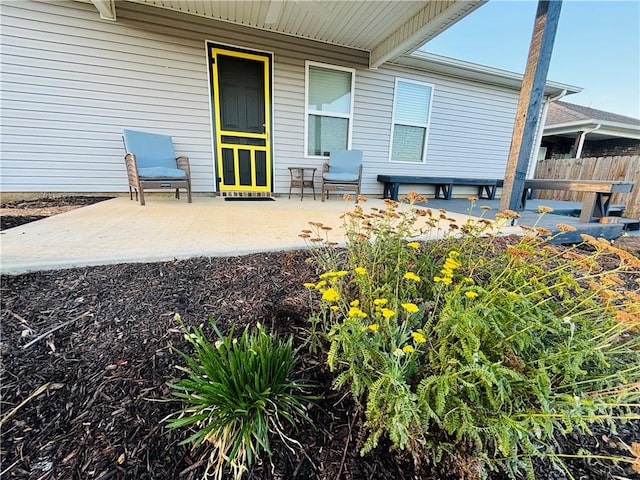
column 121, row 231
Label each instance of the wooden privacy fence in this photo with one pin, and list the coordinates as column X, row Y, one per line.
column 593, row 168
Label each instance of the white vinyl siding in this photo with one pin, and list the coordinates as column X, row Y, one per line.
column 410, row 127
column 71, row 82
column 329, row 101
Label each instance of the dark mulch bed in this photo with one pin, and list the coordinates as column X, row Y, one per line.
column 101, row 376
column 21, row 212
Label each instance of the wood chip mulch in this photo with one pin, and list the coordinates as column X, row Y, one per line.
column 87, row 353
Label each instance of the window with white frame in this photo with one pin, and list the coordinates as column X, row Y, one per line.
column 410, row 127
column 329, row 115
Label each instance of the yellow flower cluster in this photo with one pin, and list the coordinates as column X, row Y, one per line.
column 333, row 277
column 450, row 265
column 330, row 295
column 410, row 307
column 418, row 337
column 412, row 276
column 355, row 312
column 414, row 245
column 387, row 313
column 373, row 327
column 338, row 274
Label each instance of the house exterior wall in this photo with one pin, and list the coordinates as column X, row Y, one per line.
column 611, row 147
column 564, row 147
column 71, row 82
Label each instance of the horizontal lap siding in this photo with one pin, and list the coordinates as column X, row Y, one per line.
column 470, row 130
column 71, row 83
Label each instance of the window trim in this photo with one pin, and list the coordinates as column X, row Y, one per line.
column 426, row 126
column 308, row 112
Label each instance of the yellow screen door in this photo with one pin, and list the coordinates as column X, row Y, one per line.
column 241, row 94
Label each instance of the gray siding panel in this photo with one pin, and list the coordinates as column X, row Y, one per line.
column 71, row 83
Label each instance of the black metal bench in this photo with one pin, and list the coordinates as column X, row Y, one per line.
column 443, row 185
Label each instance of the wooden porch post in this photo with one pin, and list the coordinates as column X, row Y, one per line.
column 529, row 103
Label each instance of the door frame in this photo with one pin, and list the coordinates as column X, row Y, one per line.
column 250, row 53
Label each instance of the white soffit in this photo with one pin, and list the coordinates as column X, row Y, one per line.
column 605, row 129
column 386, row 29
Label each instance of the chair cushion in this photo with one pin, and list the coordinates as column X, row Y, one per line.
column 150, row 149
column 161, row 172
column 340, row 177
column 345, row 161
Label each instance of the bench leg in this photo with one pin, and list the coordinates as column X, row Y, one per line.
column 390, row 190
column 487, row 191
column 588, row 206
column 594, row 204
column 444, row 189
column 394, row 191
column 523, row 200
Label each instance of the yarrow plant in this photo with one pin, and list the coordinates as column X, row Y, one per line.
column 473, row 347
column 237, row 391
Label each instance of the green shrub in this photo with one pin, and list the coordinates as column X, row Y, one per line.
column 463, row 342
column 237, row 392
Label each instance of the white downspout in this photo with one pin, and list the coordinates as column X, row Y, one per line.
column 581, row 141
column 543, row 118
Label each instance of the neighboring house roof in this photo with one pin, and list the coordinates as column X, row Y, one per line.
column 387, row 29
column 567, row 119
column 462, row 69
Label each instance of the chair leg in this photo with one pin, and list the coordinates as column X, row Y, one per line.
column 189, row 192
column 178, row 193
column 131, row 193
column 141, row 197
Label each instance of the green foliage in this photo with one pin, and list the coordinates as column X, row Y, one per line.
column 468, row 341
column 237, row 392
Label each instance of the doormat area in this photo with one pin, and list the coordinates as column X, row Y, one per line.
column 249, row 199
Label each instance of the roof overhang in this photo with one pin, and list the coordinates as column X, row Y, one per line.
column 452, row 67
column 387, row 29
column 598, row 129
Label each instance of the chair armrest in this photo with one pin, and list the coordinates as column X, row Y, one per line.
column 183, row 164
column 132, row 167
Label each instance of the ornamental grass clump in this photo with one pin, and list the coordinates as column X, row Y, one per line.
column 477, row 348
column 237, row 393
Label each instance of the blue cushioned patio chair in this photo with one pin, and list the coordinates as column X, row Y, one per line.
column 343, row 172
column 152, row 164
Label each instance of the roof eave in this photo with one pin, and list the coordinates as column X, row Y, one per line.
column 431, row 20
column 472, row 71
column 614, row 129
